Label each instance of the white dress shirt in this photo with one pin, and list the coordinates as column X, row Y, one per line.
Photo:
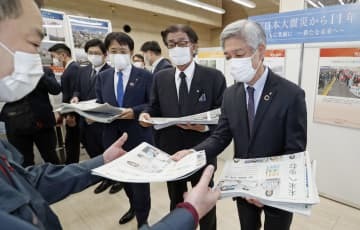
column 126, row 75
column 189, row 72
column 259, row 87
column 153, row 66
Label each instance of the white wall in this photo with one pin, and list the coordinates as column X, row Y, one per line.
column 335, row 148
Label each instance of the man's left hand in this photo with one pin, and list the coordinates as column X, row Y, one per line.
column 195, row 127
column 254, row 202
column 127, row 113
column 115, row 150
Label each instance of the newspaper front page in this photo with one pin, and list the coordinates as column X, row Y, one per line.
column 285, row 182
column 207, row 118
column 146, row 163
column 103, row 113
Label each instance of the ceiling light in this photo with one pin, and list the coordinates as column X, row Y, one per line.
column 320, row 4
column 203, row 5
column 312, row 3
column 246, row 3
column 341, row 2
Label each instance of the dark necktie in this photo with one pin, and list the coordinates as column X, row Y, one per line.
column 251, row 109
column 120, row 89
column 183, row 93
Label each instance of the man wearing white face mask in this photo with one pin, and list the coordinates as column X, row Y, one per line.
column 187, row 89
column 128, row 87
column 91, row 134
column 264, row 114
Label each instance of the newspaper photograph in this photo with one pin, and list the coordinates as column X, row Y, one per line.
column 207, row 118
column 103, row 113
column 285, row 182
column 146, row 163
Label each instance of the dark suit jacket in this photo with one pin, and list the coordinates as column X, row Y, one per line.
column 163, row 64
column 85, row 87
column 137, row 95
column 279, row 126
column 69, row 81
column 39, row 100
column 164, row 103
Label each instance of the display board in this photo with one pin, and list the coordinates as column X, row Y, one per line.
column 275, row 59
column 83, row 29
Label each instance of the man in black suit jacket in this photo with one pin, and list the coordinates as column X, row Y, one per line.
column 152, row 55
column 62, row 57
column 43, row 134
column 264, row 114
column 187, row 89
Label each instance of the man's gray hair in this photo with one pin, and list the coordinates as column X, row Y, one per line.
column 249, row 31
column 10, row 9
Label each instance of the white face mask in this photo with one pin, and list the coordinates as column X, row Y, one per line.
column 120, row 61
column 57, row 62
column 96, row 60
column 180, row 55
column 139, row 64
column 26, row 75
column 241, row 69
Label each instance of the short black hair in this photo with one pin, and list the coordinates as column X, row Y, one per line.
column 95, row 42
column 60, row 48
column 151, row 46
column 138, row 56
column 10, row 9
column 121, row 38
column 180, row 28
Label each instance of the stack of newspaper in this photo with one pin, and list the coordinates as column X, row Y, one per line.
column 146, row 163
column 207, row 118
column 286, row 182
column 103, row 113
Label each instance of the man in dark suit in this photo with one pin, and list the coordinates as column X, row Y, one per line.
column 185, row 90
column 128, row 87
column 91, row 133
column 62, row 57
column 43, row 132
column 264, row 114
column 152, row 56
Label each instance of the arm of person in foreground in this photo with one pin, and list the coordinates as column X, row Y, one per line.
column 199, row 201
column 55, row 182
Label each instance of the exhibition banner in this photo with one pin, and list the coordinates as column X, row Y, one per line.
column 338, row 87
column 275, row 59
column 83, row 29
column 327, row 24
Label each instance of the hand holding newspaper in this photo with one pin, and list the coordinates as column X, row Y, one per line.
column 207, row 118
column 286, row 182
column 91, row 110
column 145, row 163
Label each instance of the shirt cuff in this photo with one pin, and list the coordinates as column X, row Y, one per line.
column 191, row 209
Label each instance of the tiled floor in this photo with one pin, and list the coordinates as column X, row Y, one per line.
column 86, row 210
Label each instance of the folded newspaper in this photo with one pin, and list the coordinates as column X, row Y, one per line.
column 146, row 163
column 103, row 113
column 286, row 182
column 207, row 118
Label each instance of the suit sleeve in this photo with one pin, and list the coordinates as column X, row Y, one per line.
column 296, row 125
column 219, row 88
column 77, row 87
column 98, row 89
column 148, row 84
column 11, row 222
column 55, row 182
column 221, row 136
column 49, row 81
column 178, row 219
column 153, row 108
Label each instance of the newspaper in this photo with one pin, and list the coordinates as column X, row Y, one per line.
column 286, row 182
column 207, row 118
column 103, row 113
column 146, row 163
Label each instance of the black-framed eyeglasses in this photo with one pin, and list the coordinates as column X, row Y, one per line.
column 171, row 45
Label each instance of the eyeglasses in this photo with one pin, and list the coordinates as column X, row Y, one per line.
column 171, row 45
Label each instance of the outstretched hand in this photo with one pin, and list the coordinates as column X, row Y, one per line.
column 115, row 150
